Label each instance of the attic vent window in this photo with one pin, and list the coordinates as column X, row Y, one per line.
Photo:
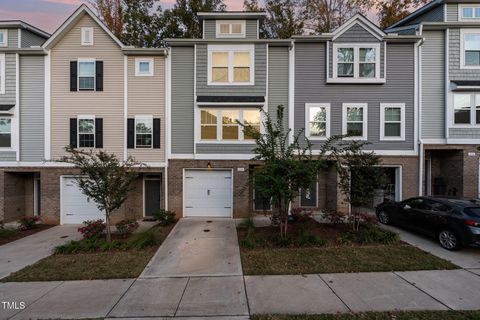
column 230, row 29
column 87, row 36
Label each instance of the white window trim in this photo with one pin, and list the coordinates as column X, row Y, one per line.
column 356, row 63
column 5, row 38
column 308, row 106
column 84, row 41
column 345, row 106
column 230, row 35
column 383, row 106
column 86, row 117
column 11, row 148
column 473, row 113
column 460, row 12
column 220, row 140
column 464, row 32
column 3, row 73
column 94, row 74
column 231, row 49
column 150, row 67
column 143, row 118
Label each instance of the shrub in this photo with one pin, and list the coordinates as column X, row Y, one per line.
column 333, row 217
column 300, row 214
column 370, row 234
column 249, row 242
column 92, row 229
column 308, row 239
column 7, row 232
column 143, row 239
column 27, row 223
column 126, row 227
column 165, row 217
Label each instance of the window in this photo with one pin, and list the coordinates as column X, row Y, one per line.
column 143, row 132
column 230, row 29
column 392, row 117
column 308, row 196
column 470, row 49
column 144, row 67
column 355, row 121
column 232, row 65
column 359, row 63
column 87, row 36
column 2, row 73
column 86, row 74
column 466, row 109
column 5, row 132
column 222, row 124
column 469, row 12
column 317, row 116
column 86, row 132
column 3, row 38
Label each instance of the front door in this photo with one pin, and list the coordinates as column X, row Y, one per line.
column 153, row 188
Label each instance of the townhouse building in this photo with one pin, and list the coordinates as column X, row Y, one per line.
column 450, row 95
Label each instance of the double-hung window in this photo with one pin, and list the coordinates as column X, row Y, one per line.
column 470, row 49
column 2, row 73
column 230, row 65
column 355, row 120
column 223, row 124
column 356, row 63
column 143, row 132
column 317, row 117
column 3, row 38
column 86, row 74
column 86, row 132
column 230, row 29
column 466, row 109
column 5, row 132
column 392, row 117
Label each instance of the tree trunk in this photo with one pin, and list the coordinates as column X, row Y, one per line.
column 107, row 225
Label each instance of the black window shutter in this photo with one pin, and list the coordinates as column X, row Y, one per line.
column 73, row 75
column 156, row 133
column 99, row 75
column 73, row 132
column 98, row 133
column 130, row 133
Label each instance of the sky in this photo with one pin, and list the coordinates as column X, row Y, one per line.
column 49, row 14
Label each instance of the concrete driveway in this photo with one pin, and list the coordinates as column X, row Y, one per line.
column 18, row 254
column 198, row 247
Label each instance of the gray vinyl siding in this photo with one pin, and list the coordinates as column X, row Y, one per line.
column 434, row 15
column 215, row 148
column 278, row 72
column 452, row 12
column 455, row 72
column 433, row 85
column 258, row 89
column 30, row 39
column 8, row 156
column 464, row 133
column 10, row 80
column 182, row 105
column 357, row 34
column 210, row 31
column 310, row 87
column 12, row 38
column 32, row 85
column 382, row 58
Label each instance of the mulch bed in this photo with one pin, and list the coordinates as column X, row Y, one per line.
column 26, row 233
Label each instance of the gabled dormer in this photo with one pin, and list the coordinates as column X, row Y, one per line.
column 231, row 25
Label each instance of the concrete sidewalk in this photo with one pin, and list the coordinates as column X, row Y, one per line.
column 18, row 254
column 225, row 296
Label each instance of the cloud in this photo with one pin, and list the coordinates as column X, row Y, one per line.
column 66, row 2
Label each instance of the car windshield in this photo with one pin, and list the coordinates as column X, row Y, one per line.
column 473, row 212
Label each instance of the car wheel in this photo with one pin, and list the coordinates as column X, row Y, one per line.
column 383, row 217
column 449, row 240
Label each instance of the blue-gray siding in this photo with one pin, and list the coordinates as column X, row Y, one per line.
column 452, row 12
column 10, row 80
column 310, row 87
column 433, row 85
column 464, row 133
column 182, row 112
column 455, row 72
column 210, row 31
column 278, row 74
column 434, row 15
column 258, row 89
column 13, row 38
column 32, row 84
column 8, row 156
column 30, row 39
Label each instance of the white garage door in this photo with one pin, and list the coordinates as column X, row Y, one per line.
column 208, row 193
column 76, row 207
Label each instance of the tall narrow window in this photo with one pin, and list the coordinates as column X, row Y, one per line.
column 208, row 125
column 317, row 116
column 143, row 132
column 5, row 132
column 472, row 49
column 220, row 67
column 368, row 61
column 86, row 132
column 87, row 36
column 3, row 38
column 346, row 62
column 393, row 121
column 230, row 125
column 86, row 75
column 251, row 118
column 462, row 109
column 355, row 121
column 241, row 67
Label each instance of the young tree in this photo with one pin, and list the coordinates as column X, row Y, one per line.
column 104, row 178
column 111, row 12
column 391, row 11
column 142, row 23
column 359, row 172
column 287, row 167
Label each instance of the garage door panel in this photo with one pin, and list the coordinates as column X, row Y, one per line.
column 77, row 207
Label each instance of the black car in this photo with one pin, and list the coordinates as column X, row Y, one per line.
column 454, row 222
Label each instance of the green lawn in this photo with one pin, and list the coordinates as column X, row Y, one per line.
column 408, row 315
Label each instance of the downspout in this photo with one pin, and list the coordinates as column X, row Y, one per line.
column 421, row 157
